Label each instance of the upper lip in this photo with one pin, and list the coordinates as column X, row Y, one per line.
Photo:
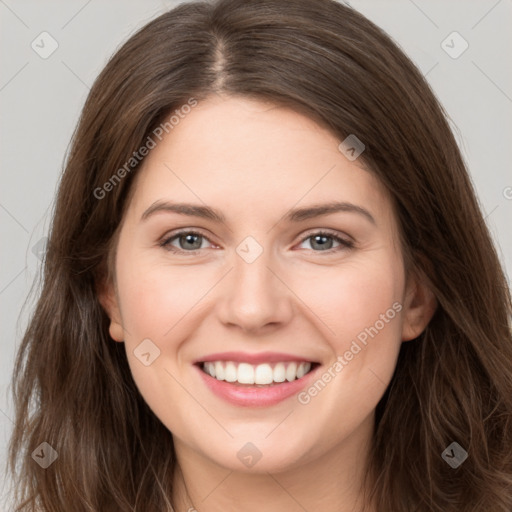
column 257, row 358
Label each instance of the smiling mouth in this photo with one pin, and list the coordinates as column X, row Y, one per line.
column 257, row 375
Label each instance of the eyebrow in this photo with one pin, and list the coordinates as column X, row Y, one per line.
column 295, row 215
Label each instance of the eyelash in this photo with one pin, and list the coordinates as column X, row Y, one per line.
column 344, row 244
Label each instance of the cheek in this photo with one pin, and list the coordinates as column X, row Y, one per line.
column 359, row 305
column 155, row 302
column 156, row 297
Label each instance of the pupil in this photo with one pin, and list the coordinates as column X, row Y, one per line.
column 189, row 239
column 323, row 240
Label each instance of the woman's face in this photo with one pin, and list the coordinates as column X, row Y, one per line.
column 263, row 288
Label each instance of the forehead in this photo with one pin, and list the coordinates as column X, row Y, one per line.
column 239, row 154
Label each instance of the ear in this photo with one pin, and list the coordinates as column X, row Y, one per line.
column 108, row 299
column 420, row 305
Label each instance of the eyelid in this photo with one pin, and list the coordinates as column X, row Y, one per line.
column 168, row 237
column 346, row 243
column 329, row 232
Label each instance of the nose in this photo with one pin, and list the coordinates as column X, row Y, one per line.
column 254, row 297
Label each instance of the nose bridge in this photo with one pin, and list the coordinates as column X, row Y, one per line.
column 254, row 296
column 253, row 278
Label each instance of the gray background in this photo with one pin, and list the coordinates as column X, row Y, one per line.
column 41, row 99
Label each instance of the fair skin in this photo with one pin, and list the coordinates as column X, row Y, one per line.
column 254, row 162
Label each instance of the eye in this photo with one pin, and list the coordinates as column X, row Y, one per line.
column 191, row 242
column 323, row 241
column 188, row 241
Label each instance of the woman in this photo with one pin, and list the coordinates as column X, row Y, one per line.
column 337, row 335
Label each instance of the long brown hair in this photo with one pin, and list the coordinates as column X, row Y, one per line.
column 72, row 385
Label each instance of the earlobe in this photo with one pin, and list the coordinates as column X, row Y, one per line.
column 419, row 307
column 116, row 330
column 108, row 300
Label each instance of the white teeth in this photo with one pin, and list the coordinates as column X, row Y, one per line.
column 245, row 374
column 211, row 369
column 301, row 370
column 291, row 372
column 261, row 374
column 219, row 371
column 279, row 372
column 231, row 373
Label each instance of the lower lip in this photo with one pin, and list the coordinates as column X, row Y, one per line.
column 252, row 396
